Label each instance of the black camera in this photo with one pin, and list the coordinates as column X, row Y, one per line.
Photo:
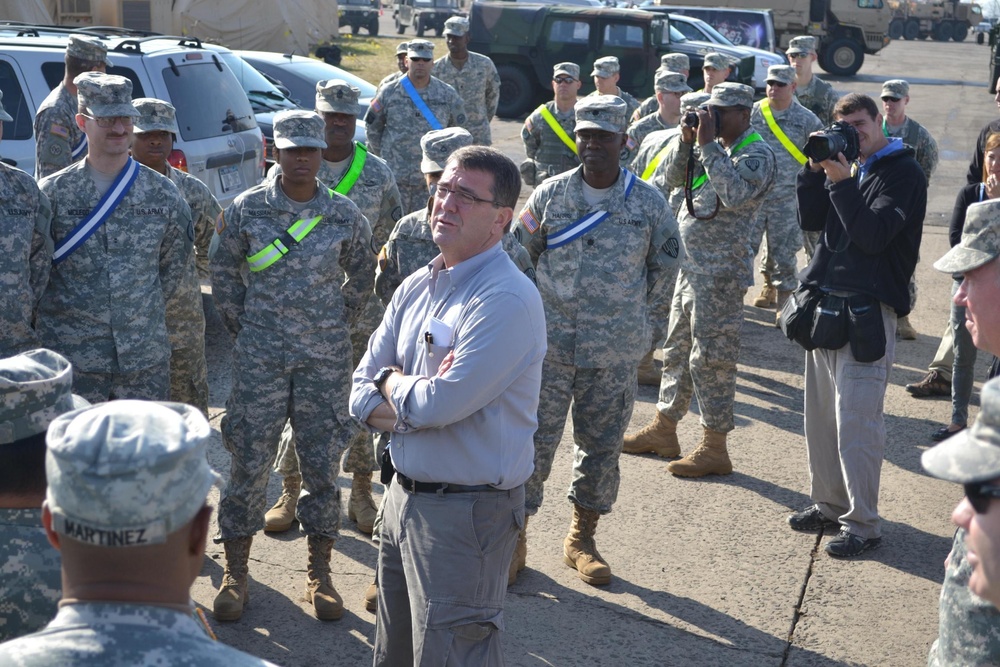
column 691, row 118
column 840, row 137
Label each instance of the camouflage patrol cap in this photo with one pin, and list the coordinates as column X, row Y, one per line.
column 606, row 66
column 401, row 49
column 89, row 49
column 438, row 145
column 298, row 128
column 781, row 73
column 456, row 25
column 897, row 88
column 3, row 113
column 104, row 95
column 671, row 82
column 675, row 62
column 569, row 69
column 420, row 48
column 337, row 96
column 694, row 100
column 127, row 473
column 980, row 242
column 972, row 455
column 601, row 112
column 35, row 388
column 154, row 116
column 717, row 61
column 729, row 94
column 801, row 44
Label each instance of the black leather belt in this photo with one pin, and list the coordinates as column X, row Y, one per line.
column 414, row 486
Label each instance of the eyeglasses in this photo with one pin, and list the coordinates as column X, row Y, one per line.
column 890, row 99
column 777, row 84
column 796, row 56
column 464, row 198
column 419, row 60
column 109, row 121
column 563, row 79
column 980, row 495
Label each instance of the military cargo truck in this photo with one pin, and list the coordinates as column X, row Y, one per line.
column 942, row 20
column 525, row 41
column 846, row 29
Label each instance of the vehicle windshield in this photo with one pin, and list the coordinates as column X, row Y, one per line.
column 708, row 29
column 264, row 95
column 676, row 36
column 452, row 4
column 209, row 102
column 358, row 3
column 300, row 78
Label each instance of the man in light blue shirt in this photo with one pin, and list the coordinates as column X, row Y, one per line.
column 453, row 373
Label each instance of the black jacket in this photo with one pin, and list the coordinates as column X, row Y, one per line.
column 871, row 230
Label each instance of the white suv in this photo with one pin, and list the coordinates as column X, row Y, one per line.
column 219, row 141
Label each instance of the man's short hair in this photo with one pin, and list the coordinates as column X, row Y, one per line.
column 854, row 102
column 506, row 177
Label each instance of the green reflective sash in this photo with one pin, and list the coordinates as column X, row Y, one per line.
column 557, row 128
column 793, row 150
column 750, row 138
column 279, row 247
column 357, row 164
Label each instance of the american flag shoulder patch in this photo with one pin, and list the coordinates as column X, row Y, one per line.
column 528, row 124
column 376, row 105
column 630, row 144
column 59, row 130
column 528, row 221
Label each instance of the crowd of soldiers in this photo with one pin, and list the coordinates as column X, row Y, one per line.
column 307, row 260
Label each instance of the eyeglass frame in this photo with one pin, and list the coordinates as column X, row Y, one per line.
column 799, row 54
column 107, row 122
column 563, row 78
column 440, row 192
column 980, row 494
column 775, row 82
column 415, row 59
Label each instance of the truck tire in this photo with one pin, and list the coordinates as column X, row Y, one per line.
column 911, row 30
column 355, row 28
column 373, row 26
column 517, row 92
column 980, row 38
column 419, row 28
column 439, row 29
column 896, row 28
column 943, row 31
column 400, row 28
column 842, row 57
column 960, row 31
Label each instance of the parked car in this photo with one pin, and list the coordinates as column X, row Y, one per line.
column 299, row 75
column 697, row 29
column 219, row 141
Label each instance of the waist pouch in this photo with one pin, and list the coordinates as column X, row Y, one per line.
column 866, row 331
column 797, row 316
column 829, row 323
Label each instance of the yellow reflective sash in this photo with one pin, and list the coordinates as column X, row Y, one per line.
column 280, row 246
column 793, row 150
column 654, row 163
column 557, row 128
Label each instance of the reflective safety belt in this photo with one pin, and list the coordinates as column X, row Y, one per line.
column 357, row 164
column 557, row 128
column 280, row 246
column 422, row 107
column 793, row 150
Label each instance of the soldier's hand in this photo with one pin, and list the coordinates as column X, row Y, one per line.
column 688, row 134
column 837, row 170
column 706, row 126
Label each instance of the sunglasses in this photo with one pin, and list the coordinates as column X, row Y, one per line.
column 890, row 99
column 796, row 56
column 563, row 79
column 778, row 84
column 980, row 495
column 420, row 60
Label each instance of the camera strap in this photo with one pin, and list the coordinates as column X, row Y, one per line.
column 691, row 184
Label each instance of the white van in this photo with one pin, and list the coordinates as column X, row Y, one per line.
column 742, row 27
column 219, row 141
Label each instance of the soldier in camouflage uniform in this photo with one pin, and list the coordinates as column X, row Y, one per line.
column 373, row 190
column 473, row 76
column 59, row 141
column 606, row 74
column 290, row 310
column 706, row 319
column 895, row 123
column 812, row 92
column 400, row 63
column 778, row 227
column 394, row 122
column 716, row 69
column 669, row 86
column 26, row 245
column 669, row 62
column 104, row 306
column 154, row 134
column 601, row 240
column 550, row 152
column 35, row 388
column 126, row 503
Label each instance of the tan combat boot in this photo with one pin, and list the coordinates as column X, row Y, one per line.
column 658, row 437
column 649, row 373
column 371, row 596
column 327, row 603
column 281, row 517
column 580, row 550
column 234, row 594
column 768, row 295
column 361, row 507
column 520, row 558
column 710, row 457
column 905, row 330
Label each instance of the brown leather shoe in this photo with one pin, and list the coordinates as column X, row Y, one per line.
column 933, row 384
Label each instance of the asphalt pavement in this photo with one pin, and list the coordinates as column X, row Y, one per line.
column 706, row 572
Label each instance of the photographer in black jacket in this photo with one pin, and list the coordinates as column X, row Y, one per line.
column 871, row 214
